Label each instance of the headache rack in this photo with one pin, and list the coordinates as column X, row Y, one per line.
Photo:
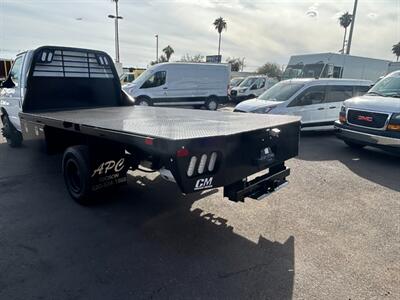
column 63, row 78
column 68, row 63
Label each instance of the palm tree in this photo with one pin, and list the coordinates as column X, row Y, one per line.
column 219, row 25
column 168, row 51
column 396, row 50
column 345, row 21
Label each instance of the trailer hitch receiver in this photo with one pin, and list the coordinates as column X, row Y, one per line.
column 259, row 187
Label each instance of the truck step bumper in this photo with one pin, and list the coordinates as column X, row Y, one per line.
column 258, row 188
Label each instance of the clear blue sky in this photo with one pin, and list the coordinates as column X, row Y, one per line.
column 259, row 30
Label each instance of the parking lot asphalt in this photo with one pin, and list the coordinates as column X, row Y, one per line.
column 332, row 233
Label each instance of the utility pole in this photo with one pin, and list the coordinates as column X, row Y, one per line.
column 156, row 48
column 116, row 17
column 353, row 20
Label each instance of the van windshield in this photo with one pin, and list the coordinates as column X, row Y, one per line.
column 248, row 82
column 236, row 81
column 387, row 87
column 293, row 71
column 142, row 77
column 304, row 71
column 312, row 70
column 281, row 91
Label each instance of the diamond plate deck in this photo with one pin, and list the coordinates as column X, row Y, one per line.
column 166, row 123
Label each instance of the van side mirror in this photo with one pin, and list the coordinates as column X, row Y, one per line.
column 253, row 87
column 8, row 83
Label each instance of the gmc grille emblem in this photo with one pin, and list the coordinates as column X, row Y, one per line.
column 365, row 118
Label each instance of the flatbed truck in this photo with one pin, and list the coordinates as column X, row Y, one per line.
column 70, row 101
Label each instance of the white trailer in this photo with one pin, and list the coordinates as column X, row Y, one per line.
column 334, row 65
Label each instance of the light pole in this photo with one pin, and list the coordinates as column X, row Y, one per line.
column 156, row 48
column 353, row 19
column 116, row 17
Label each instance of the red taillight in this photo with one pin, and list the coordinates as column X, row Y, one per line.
column 148, row 141
column 183, row 152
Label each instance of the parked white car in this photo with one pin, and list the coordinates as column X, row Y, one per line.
column 316, row 101
column 251, row 87
column 172, row 84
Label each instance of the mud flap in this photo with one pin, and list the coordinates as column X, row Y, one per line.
column 108, row 167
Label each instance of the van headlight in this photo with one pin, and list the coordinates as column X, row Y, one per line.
column 394, row 123
column 342, row 115
column 242, row 90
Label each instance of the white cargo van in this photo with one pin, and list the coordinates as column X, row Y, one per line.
column 174, row 84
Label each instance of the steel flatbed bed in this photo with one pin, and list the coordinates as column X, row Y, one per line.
column 173, row 138
column 73, row 104
column 172, row 124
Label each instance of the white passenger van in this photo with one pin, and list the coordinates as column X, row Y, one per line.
column 316, row 101
column 251, row 87
column 172, row 84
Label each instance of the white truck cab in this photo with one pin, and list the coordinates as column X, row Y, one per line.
column 251, row 87
column 12, row 90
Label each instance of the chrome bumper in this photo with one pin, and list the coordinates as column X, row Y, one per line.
column 366, row 137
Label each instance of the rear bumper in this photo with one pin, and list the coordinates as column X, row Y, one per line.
column 259, row 187
column 365, row 138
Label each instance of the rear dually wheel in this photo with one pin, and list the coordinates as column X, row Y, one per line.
column 76, row 171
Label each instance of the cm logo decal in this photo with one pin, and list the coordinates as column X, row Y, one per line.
column 203, row 183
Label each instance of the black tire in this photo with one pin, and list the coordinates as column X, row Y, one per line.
column 144, row 102
column 354, row 145
column 76, row 171
column 11, row 134
column 211, row 103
